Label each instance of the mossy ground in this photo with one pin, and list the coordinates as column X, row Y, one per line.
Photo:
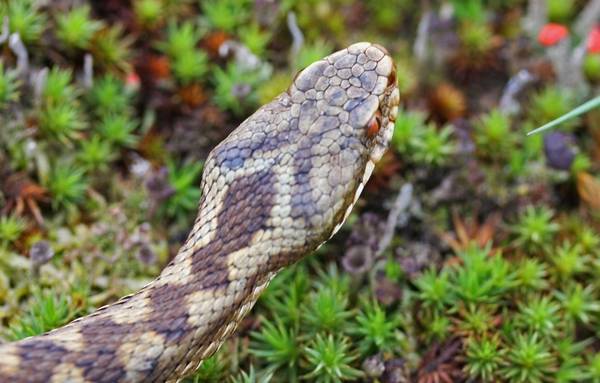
column 490, row 261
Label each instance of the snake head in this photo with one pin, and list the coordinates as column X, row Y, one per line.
column 294, row 169
column 347, row 104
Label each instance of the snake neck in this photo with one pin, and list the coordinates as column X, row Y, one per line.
column 163, row 331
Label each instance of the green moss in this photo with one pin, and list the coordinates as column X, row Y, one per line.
column 112, row 48
column 226, row 15
column 434, row 146
column 148, row 12
column 185, row 196
column 484, row 358
column 560, row 10
column 329, row 358
column 493, row 135
column 9, row 86
column 25, row 18
column 591, row 67
column 47, row 311
column 67, row 185
column 11, row 228
column 76, row 28
column 550, row 103
column 528, row 359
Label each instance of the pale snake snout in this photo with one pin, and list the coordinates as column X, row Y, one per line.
column 273, row 191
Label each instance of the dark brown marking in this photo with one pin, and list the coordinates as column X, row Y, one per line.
column 251, row 196
column 99, row 360
column 38, row 358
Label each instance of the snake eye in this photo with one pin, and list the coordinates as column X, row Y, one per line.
column 374, row 125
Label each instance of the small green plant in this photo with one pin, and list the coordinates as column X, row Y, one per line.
column 255, row 38
column 376, row 330
column 568, row 260
column 285, row 295
column 327, row 310
column 408, row 127
column 469, row 10
column 493, row 135
column 329, row 360
column 11, row 228
column 539, row 315
column 535, row 227
column 330, row 277
column 475, row 320
column 578, row 303
column 148, row 12
column 559, row 10
column 481, row 278
column 181, row 38
column 190, row 66
column 62, row 122
column 226, row 15
column 279, row 347
column 434, row 147
column 188, row 62
column 528, row 359
column 111, row 48
column 251, row 377
column 60, row 116
column 75, row 28
column 9, row 86
column 58, row 88
column 67, row 185
column 581, row 163
column 571, row 363
column 588, row 239
column 549, row 104
column 434, row 288
column 593, row 368
column 476, row 38
column 437, row 327
column 212, row 369
column 24, row 18
column 484, row 358
column 591, row 67
column 47, row 311
column 185, row 192
column 109, row 97
column 118, row 129
column 95, row 153
column 531, row 275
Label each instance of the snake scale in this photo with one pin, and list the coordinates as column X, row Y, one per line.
column 274, row 190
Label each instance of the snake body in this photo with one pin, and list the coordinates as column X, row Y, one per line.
column 274, row 190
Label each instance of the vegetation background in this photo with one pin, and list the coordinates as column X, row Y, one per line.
column 474, row 254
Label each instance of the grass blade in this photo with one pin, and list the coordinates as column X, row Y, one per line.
column 589, row 105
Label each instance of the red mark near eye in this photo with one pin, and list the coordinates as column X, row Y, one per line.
column 374, row 125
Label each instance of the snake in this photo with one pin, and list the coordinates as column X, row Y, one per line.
column 275, row 189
